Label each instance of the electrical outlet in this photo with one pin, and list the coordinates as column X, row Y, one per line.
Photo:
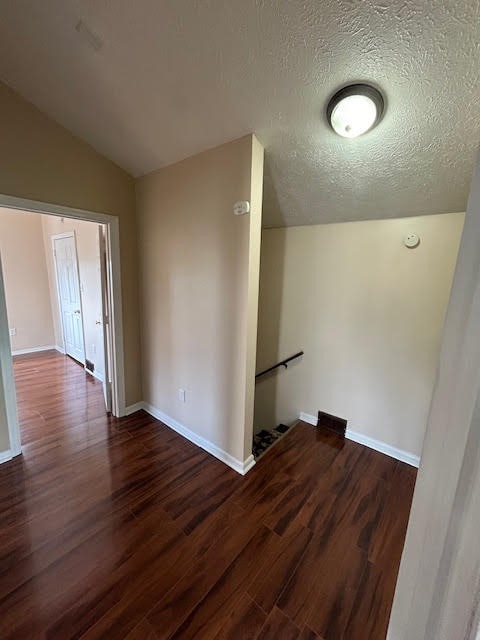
column 13, row 331
column 181, row 395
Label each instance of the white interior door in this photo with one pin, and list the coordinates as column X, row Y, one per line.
column 66, row 265
column 107, row 384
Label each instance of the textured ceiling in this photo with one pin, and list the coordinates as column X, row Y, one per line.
column 175, row 77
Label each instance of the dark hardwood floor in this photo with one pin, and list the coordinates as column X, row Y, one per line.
column 122, row 529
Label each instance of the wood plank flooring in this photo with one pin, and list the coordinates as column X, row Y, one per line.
column 121, row 529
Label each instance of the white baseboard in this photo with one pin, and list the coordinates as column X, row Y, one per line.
column 247, row 464
column 309, row 419
column 5, row 456
column 94, row 374
column 59, row 349
column 133, row 408
column 47, row 347
column 377, row 445
column 239, row 466
column 383, row 447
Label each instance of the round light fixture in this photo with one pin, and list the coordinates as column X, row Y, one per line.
column 355, row 110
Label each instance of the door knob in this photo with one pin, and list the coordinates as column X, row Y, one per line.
column 77, row 311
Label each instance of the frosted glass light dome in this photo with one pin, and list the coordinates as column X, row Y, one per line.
column 354, row 110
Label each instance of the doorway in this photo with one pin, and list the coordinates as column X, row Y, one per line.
column 72, row 340
column 80, row 266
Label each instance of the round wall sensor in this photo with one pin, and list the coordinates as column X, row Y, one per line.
column 241, row 207
column 411, row 240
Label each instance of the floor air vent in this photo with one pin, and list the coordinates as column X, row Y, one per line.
column 332, row 423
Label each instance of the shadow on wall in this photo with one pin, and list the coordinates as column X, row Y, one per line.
column 273, row 212
column 268, row 337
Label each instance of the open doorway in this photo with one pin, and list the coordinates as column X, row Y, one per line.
column 62, row 318
column 55, row 291
column 76, row 263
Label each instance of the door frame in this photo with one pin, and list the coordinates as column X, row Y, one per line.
column 114, row 283
column 7, row 380
column 59, row 236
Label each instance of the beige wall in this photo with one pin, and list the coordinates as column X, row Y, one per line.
column 367, row 311
column 88, row 255
column 26, row 280
column 197, row 293
column 43, row 161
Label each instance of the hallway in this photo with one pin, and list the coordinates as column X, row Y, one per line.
column 122, row 529
column 54, row 394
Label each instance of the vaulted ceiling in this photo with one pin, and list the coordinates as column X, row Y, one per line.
column 151, row 82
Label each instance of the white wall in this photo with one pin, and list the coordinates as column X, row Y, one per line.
column 26, row 280
column 199, row 269
column 88, row 254
column 367, row 311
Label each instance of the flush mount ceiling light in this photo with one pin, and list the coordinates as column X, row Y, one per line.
column 355, row 110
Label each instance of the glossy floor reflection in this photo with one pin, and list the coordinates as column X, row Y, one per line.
column 122, row 529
